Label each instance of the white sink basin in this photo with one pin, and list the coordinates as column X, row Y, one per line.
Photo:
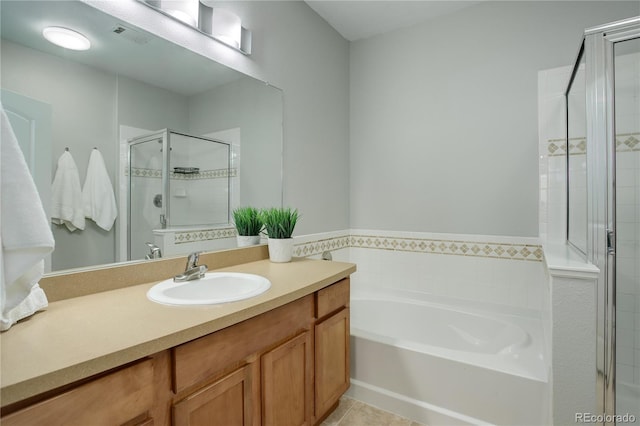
column 215, row 287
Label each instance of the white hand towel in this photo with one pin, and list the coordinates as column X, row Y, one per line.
column 25, row 235
column 66, row 203
column 97, row 193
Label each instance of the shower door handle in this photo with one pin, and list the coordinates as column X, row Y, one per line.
column 611, row 242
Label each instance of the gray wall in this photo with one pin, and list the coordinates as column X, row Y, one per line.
column 293, row 49
column 149, row 107
column 444, row 116
column 257, row 110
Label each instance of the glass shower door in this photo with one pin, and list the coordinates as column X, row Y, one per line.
column 145, row 192
column 627, row 226
column 198, row 181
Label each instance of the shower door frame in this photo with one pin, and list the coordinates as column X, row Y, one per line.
column 164, row 136
column 601, row 205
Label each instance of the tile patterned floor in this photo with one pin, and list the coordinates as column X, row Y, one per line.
column 355, row 413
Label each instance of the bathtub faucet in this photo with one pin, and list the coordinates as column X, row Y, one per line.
column 192, row 271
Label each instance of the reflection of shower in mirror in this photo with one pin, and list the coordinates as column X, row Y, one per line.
column 184, row 185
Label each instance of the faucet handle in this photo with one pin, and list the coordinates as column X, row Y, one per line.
column 192, row 260
column 154, row 251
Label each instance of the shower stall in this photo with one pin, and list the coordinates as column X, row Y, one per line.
column 176, row 180
column 603, row 201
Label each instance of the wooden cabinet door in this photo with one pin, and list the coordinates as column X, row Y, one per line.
column 114, row 399
column 332, row 360
column 287, row 383
column 227, row 402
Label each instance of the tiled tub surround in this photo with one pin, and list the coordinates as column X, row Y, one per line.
column 484, row 277
column 499, row 270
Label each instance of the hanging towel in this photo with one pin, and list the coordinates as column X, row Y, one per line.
column 97, row 193
column 25, row 235
column 66, row 203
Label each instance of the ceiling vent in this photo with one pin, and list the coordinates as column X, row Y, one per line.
column 130, row 34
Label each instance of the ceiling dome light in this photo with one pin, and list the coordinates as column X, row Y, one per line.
column 66, row 38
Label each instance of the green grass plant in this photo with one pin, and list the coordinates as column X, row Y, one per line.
column 248, row 221
column 279, row 222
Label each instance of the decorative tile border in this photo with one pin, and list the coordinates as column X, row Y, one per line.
column 142, row 172
column 319, row 246
column 204, row 174
column 184, row 237
column 487, row 249
column 558, row 147
column 451, row 247
column 628, row 142
column 529, row 252
column 625, row 142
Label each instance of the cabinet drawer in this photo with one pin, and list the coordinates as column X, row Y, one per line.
column 203, row 358
column 332, row 298
column 110, row 400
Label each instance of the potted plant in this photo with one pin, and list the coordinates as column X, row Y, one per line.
column 248, row 226
column 279, row 224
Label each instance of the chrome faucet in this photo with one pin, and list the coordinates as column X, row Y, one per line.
column 154, row 253
column 192, row 271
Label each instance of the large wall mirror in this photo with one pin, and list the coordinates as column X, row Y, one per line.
column 131, row 84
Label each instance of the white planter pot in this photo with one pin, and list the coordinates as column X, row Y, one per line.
column 280, row 250
column 247, row 240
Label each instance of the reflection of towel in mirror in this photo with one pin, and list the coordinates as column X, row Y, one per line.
column 66, row 206
column 97, row 193
column 25, row 236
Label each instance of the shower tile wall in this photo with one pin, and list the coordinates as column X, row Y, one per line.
column 628, row 217
column 201, row 198
column 628, row 266
column 552, row 153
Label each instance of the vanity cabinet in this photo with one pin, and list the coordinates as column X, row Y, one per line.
column 285, row 367
column 331, row 360
column 123, row 397
column 287, row 383
column 331, row 346
column 228, row 401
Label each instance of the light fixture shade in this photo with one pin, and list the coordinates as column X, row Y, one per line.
column 64, row 37
column 226, row 27
column 183, row 10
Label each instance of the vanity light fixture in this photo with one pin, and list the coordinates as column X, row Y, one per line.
column 64, row 37
column 218, row 23
column 186, row 11
column 226, row 27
